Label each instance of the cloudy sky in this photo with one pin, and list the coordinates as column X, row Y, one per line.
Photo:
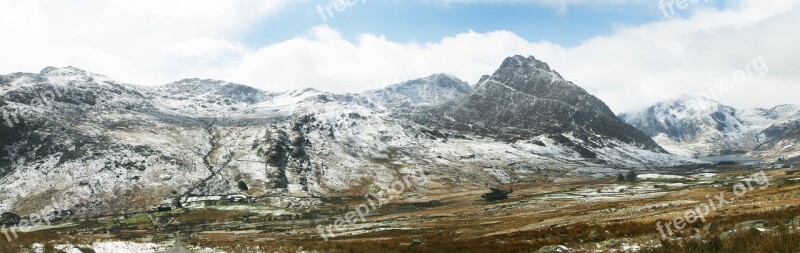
column 630, row 53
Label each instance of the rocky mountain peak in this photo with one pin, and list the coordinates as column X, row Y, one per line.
column 445, row 80
column 212, row 89
column 529, row 75
column 66, row 71
column 525, row 97
column 193, row 84
column 519, row 61
column 435, row 80
column 694, row 125
column 694, row 103
column 428, row 91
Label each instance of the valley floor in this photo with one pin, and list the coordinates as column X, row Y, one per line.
column 580, row 215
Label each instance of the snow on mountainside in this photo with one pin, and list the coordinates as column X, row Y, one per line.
column 430, row 91
column 72, row 138
column 525, row 97
column 783, row 149
column 78, row 140
column 207, row 97
column 776, row 121
column 697, row 126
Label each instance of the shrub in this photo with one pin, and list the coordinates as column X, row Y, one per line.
column 9, row 218
column 496, row 194
column 243, row 186
column 631, row 176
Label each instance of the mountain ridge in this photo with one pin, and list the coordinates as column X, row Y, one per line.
column 105, row 145
column 699, row 126
column 540, row 98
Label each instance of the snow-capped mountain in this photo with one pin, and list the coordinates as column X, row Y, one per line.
column 73, row 139
column 424, row 92
column 776, row 121
column 785, row 148
column 698, row 126
column 525, row 97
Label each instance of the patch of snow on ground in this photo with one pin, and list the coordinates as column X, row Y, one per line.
column 118, row 247
column 631, row 247
column 705, row 175
column 660, row 176
column 596, row 172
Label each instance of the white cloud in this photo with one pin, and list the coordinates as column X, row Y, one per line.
column 629, row 69
column 203, row 49
column 325, row 61
column 129, row 40
column 639, row 65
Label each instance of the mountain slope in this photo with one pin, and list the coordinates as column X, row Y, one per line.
column 96, row 145
column 525, row 97
column 785, row 149
column 424, row 92
column 698, row 126
column 90, row 143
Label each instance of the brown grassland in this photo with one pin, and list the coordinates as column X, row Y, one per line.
column 445, row 219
